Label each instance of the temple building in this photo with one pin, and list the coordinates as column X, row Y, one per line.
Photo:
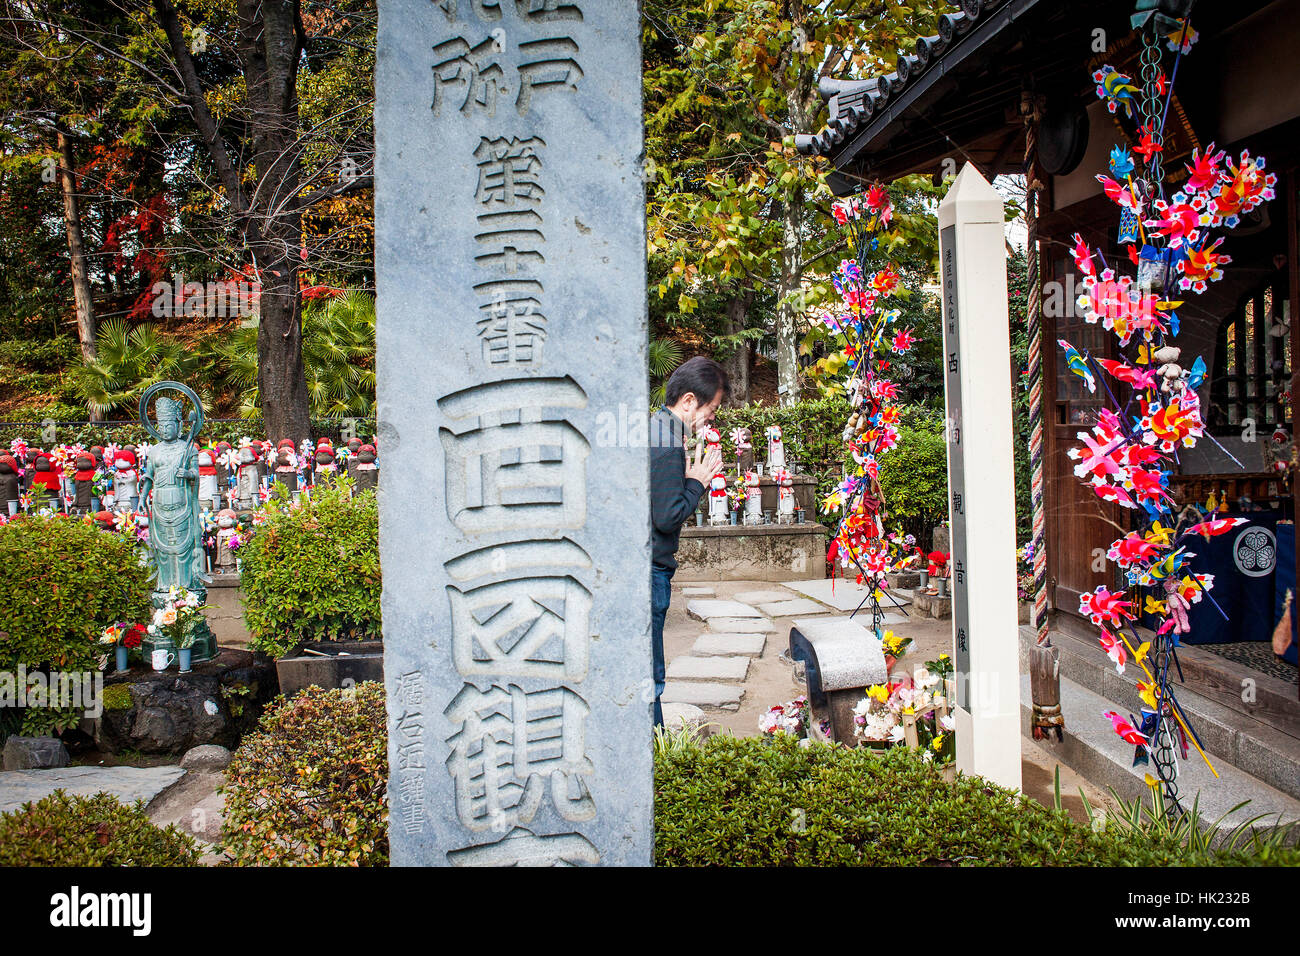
column 1008, row 85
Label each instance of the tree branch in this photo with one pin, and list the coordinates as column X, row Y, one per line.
column 203, row 118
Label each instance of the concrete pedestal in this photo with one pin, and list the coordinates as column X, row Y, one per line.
column 791, row 552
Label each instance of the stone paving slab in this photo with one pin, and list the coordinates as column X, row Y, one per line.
column 793, row 607
column 748, row 645
column 708, row 668
column 703, row 609
column 702, row 694
column 763, row 597
column 838, row 593
column 748, row 625
column 128, row 784
column 698, row 592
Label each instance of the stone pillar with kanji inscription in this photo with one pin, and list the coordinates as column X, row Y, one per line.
column 981, row 485
column 510, row 257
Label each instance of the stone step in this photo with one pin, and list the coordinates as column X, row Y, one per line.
column 128, row 784
column 1093, row 749
column 747, row 645
column 704, row 609
column 697, row 592
column 792, row 607
column 763, row 597
column 708, row 668
column 701, row 694
column 736, row 625
column 1247, row 741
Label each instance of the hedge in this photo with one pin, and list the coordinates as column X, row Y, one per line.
column 67, row 830
column 308, row 789
column 62, row 581
column 770, row 802
column 311, row 570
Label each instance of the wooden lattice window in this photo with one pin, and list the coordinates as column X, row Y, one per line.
column 1252, row 362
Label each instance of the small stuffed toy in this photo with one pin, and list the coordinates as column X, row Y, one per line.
column 1170, row 373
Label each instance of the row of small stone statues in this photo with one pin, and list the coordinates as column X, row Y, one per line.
column 742, row 439
column 251, row 468
column 109, row 476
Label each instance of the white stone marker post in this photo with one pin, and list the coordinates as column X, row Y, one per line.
column 981, row 483
column 514, row 530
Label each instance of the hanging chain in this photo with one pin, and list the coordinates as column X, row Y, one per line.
column 1150, row 106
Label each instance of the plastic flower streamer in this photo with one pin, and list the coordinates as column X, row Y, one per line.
column 1127, row 455
column 867, row 329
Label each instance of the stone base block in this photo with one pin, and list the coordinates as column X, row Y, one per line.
column 793, row 552
column 903, row 579
column 931, row 605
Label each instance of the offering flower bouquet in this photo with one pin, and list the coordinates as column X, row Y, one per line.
column 891, row 713
column 123, row 632
column 179, row 619
column 789, row 718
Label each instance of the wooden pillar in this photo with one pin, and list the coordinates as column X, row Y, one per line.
column 1292, row 182
column 1045, row 686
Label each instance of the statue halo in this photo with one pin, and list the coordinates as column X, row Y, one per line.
column 154, row 389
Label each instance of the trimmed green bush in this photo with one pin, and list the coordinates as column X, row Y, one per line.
column 308, row 787
column 62, row 582
column 311, row 571
column 66, row 830
column 914, row 478
column 750, row 802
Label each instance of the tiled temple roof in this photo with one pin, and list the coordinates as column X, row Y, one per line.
column 854, row 104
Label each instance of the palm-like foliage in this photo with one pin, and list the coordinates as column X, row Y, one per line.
column 664, row 356
column 338, row 354
column 130, row 360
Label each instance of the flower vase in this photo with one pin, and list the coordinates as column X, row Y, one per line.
column 123, row 664
column 94, row 503
column 925, row 579
column 734, row 517
column 184, row 654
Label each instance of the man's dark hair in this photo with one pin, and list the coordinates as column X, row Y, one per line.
column 702, row 376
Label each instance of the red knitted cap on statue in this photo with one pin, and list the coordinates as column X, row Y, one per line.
column 126, row 456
